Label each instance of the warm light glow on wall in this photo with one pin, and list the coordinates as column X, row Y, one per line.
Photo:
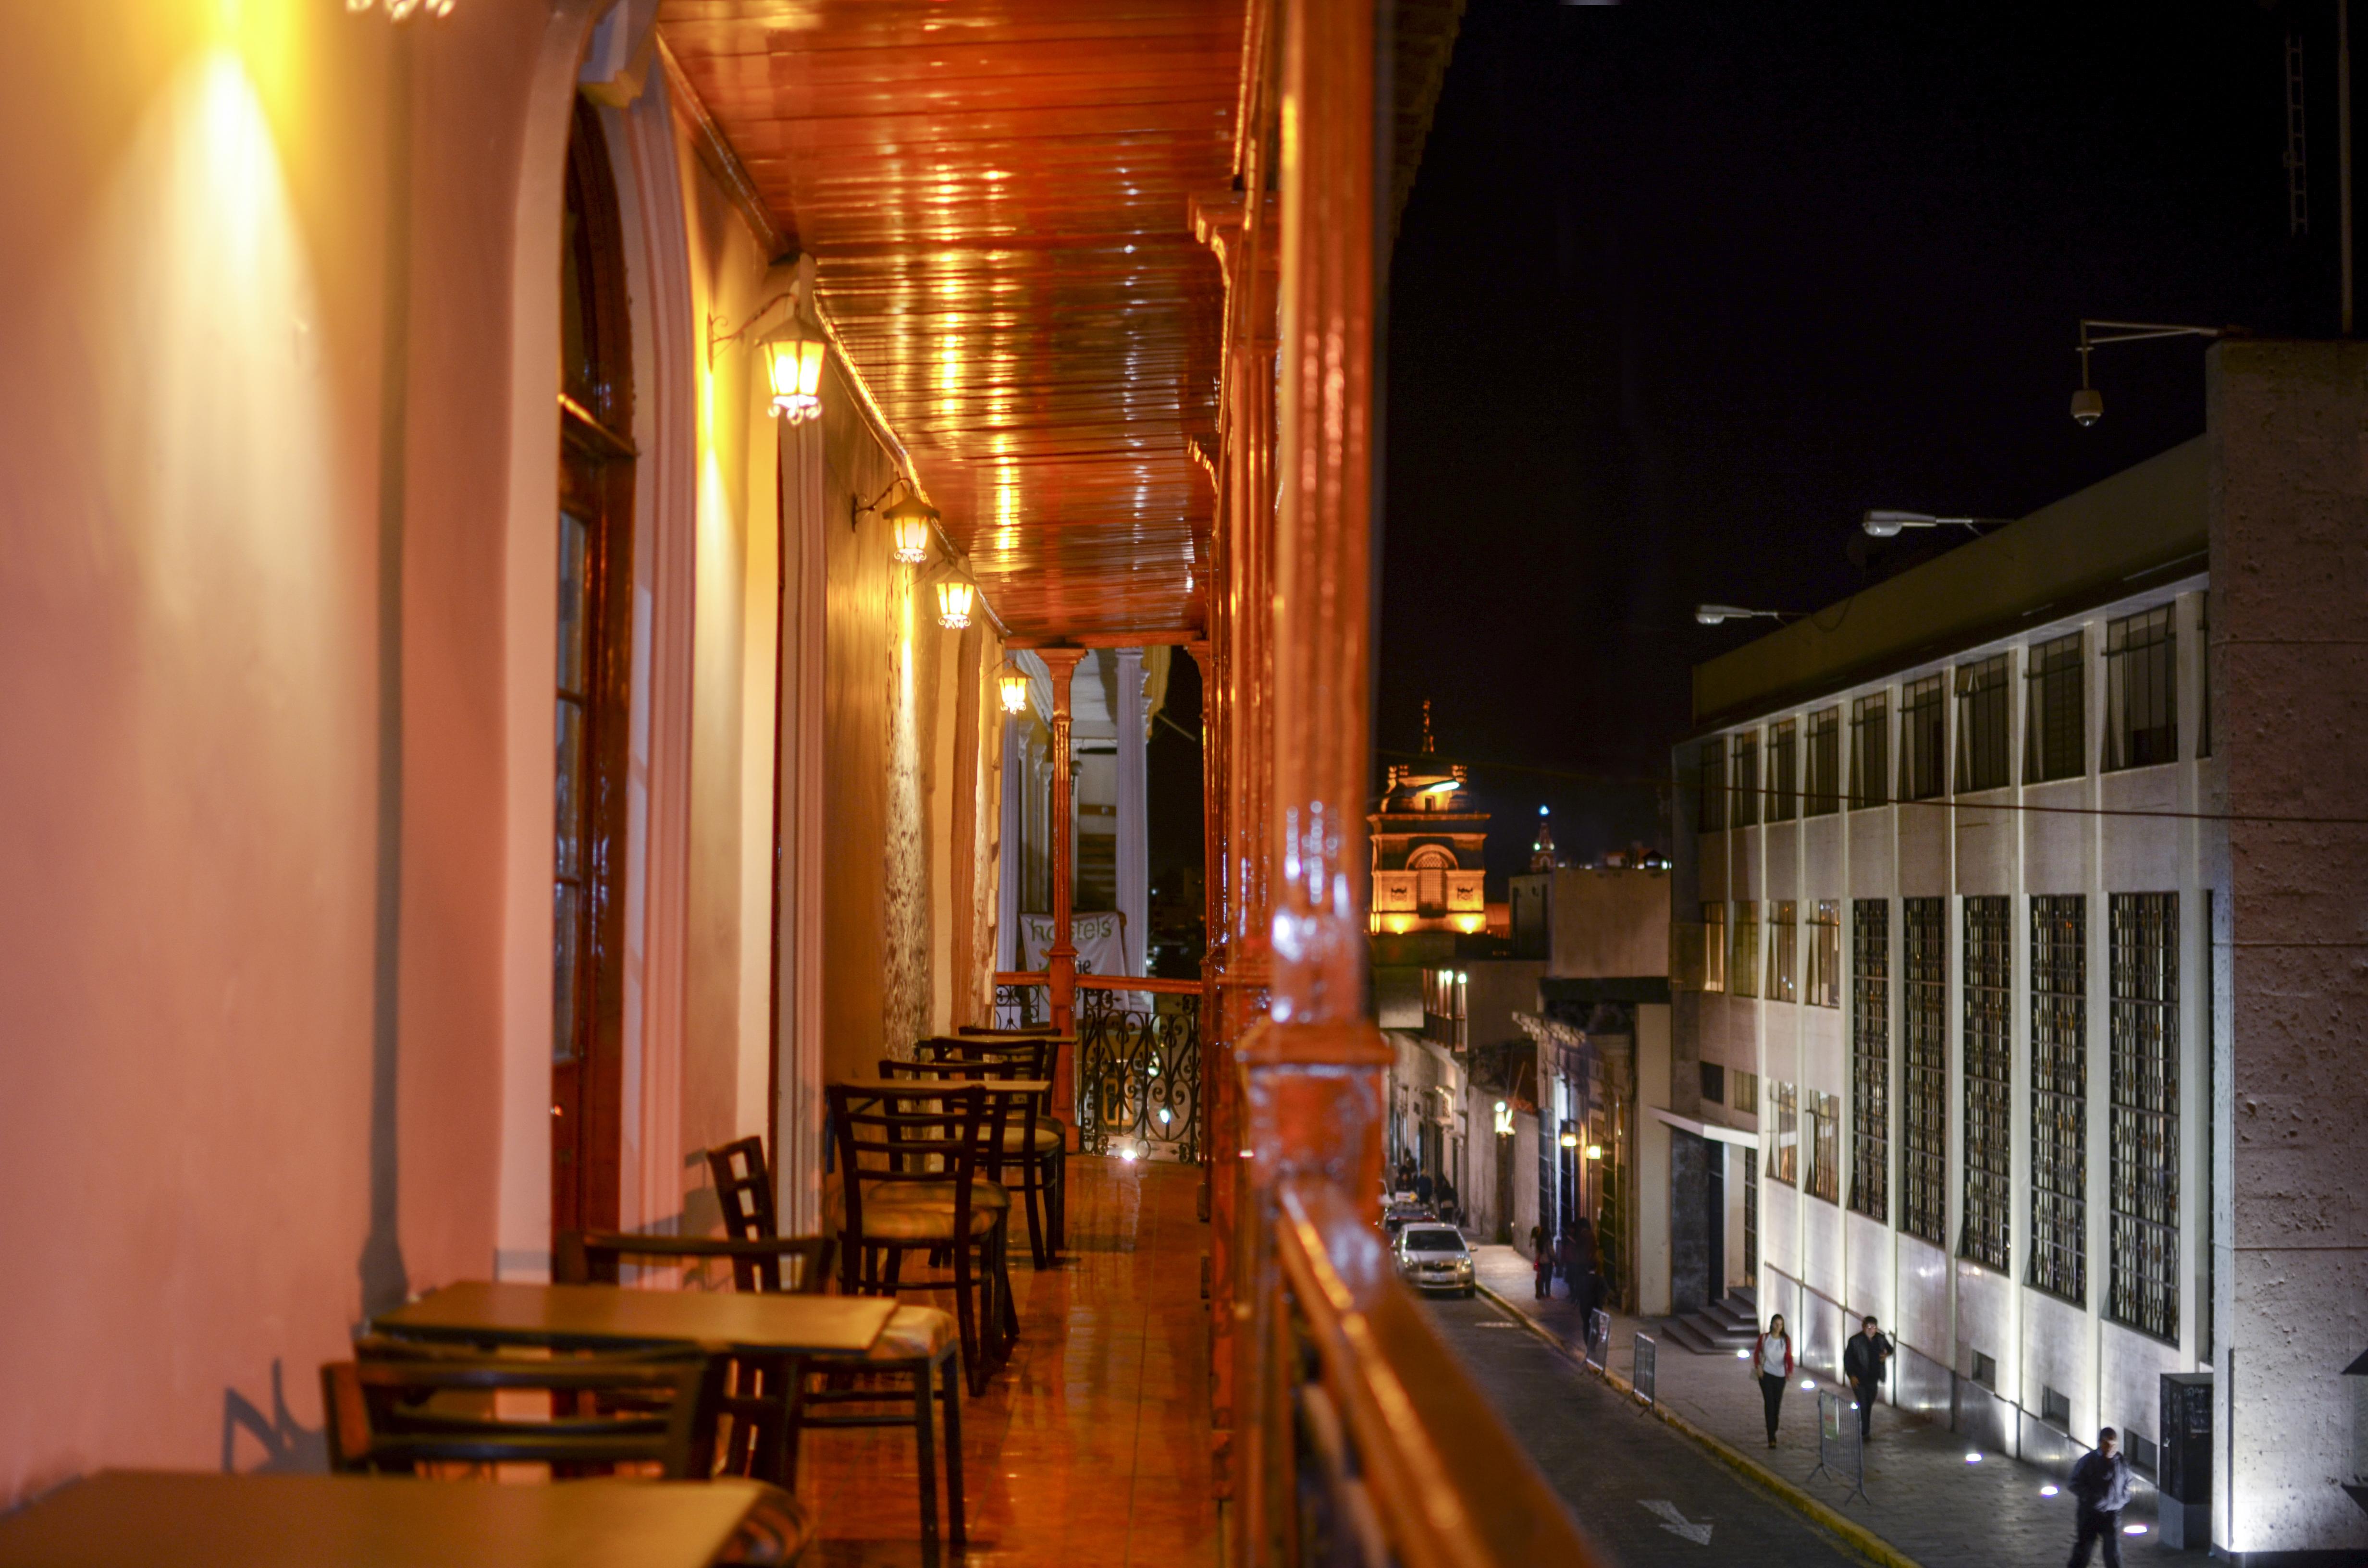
column 793, row 366
column 954, row 599
column 1471, row 924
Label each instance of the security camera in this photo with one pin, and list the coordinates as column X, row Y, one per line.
column 2087, row 406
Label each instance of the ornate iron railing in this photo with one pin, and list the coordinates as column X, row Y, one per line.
column 1139, row 1072
column 1019, row 1007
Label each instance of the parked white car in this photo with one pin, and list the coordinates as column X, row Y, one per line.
column 1433, row 1257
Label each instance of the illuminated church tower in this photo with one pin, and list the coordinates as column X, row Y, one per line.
column 1427, row 848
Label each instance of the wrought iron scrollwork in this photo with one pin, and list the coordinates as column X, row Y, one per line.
column 1018, row 1006
column 1139, row 1075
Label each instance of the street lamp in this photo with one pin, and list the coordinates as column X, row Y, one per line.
column 2089, row 404
column 1884, row 523
column 1712, row 615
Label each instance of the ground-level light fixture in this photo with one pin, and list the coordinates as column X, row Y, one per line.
column 1712, row 615
column 1012, row 687
column 1808, row 1385
column 2089, row 404
column 1972, row 1458
column 955, row 596
column 2048, row 1490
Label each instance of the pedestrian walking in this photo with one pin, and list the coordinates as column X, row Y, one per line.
column 1582, row 1267
column 2100, row 1486
column 1865, row 1361
column 1448, row 1208
column 1566, row 1262
column 1422, row 1188
column 1542, row 1261
column 1772, row 1363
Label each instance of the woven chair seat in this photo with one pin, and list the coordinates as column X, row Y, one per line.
column 1044, row 1138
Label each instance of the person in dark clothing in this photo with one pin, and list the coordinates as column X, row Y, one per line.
column 1771, row 1366
column 1542, row 1260
column 1447, row 1204
column 2100, row 1486
column 1582, row 1267
column 1422, row 1188
column 1863, row 1363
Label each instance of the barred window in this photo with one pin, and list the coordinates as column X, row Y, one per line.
column 2059, row 1095
column 1822, row 787
column 1751, row 1213
column 1742, row 1091
column 1923, row 741
column 1785, row 953
column 1743, row 974
column 2203, row 674
column 1784, row 1158
column 1745, row 813
column 1824, row 1147
column 1710, row 814
column 1990, row 1082
column 1870, row 751
column 1924, row 1070
column 1871, row 1057
column 2141, row 690
column 1784, row 759
column 1713, row 947
column 2055, row 711
column 2144, row 1141
column 1826, row 953
column 1982, row 756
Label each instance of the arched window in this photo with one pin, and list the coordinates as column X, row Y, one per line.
column 594, row 685
column 1431, row 867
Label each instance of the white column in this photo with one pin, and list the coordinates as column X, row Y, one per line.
column 1134, row 801
column 1011, row 862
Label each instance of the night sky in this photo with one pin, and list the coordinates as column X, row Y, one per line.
column 1685, row 287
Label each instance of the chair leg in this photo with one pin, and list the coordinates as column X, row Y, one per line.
column 1032, row 1173
column 953, row 1401
column 967, row 1322
column 924, row 1443
column 1060, row 1202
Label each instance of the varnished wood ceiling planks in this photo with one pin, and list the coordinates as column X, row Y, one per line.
column 995, row 193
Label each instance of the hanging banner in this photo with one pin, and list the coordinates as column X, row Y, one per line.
column 1098, row 939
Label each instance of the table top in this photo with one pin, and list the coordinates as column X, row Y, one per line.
column 123, row 1518
column 583, row 1317
column 934, row 1084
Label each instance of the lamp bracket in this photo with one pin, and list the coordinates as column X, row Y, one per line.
column 856, row 506
column 717, row 339
column 2095, row 335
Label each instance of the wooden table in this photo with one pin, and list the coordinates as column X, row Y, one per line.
column 593, row 1317
column 124, row 1519
column 932, row 1084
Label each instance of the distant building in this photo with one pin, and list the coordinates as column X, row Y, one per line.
column 1429, row 868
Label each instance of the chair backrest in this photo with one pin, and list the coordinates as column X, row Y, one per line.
column 395, row 1414
column 744, row 1187
column 595, row 1257
column 1015, row 1029
column 933, row 1131
column 1006, row 1057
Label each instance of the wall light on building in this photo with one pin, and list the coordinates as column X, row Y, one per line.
column 909, row 521
column 1569, row 1136
column 1595, row 1151
column 954, row 599
column 1504, row 1120
column 1013, row 687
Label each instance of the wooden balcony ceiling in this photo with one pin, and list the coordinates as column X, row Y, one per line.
column 995, row 196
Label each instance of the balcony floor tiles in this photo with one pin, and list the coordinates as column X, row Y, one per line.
column 1092, row 1445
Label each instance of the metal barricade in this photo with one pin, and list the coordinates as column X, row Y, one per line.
column 1841, row 1451
column 1598, row 1339
column 1640, row 1370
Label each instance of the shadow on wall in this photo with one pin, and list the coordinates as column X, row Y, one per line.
column 288, row 1448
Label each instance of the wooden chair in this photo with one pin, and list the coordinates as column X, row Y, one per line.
column 391, row 1413
column 1037, row 1142
column 910, row 1180
column 918, row 1356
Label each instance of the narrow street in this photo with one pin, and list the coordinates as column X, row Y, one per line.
column 1647, row 1494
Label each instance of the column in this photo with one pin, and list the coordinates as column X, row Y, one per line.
column 1133, row 831
column 1011, row 853
column 1061, row 958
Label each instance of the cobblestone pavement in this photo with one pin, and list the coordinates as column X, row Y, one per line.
column 1923, row 1498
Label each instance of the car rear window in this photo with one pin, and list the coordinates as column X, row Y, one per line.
column 1433, row 1241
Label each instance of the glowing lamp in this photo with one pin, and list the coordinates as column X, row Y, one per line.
column 2048, row 1490
column 1012, row 687
column 954, row 599
column 794, row 365
column 1595, row 1151
column 1569, row 1136
column 1504, row 1120
column 908, row 528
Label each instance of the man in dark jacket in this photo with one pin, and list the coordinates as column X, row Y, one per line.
column 2100, row 1488
column 1864, row 1361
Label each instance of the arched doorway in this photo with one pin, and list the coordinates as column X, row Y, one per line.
column 594, row 687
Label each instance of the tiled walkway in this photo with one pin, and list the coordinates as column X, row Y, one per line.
column 1092, row 1445
column 1923, row 1498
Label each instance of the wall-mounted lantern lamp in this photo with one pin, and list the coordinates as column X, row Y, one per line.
column 794, row 365
column 1595, row 1151
column 909, row 522
column 955, row 596
column 1570, row 1135
column 1012, row 687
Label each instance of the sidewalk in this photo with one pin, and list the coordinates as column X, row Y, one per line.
column 1924, row 1501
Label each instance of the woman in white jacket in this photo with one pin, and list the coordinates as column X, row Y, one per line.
column 1772, row 1363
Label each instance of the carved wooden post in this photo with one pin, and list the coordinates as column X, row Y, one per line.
column 1311, row 1072
column 1060, row 957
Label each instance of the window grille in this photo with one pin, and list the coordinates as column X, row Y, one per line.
column 1751, row 1215
column 2059, row 1095
column 1743, row 974
column 1982, row 754
column 1824, row 1146
column 2055, row 711
column 1713, row 947
column 1745, row 809
column 1712, row 810
column 1923, row 741
column 1784, row 954
column 1990, row 1082
column 2144, row 1141
column 1784, row 760
column 2203, row 674
column 2141, row 690
column 1783, row 1160
column 1826, row 953
column 1924, row 1070
column 1871, row 1057
column 1870, row 751
column 1742, row 1091
column 1822, row 787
